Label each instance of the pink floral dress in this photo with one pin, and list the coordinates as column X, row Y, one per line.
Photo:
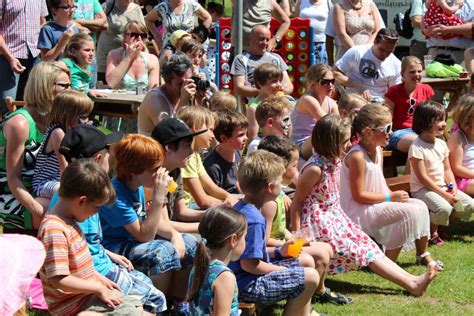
column 322, row 213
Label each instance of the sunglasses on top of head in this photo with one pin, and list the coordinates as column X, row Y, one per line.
column 136, row 35
column 387, row 129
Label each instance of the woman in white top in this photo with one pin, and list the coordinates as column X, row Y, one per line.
column 317, row 11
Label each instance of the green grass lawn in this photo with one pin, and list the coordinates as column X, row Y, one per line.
column 451, row 293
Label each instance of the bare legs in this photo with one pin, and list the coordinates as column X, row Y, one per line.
column 389, row 270
column 321, row 253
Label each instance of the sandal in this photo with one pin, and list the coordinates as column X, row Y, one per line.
column 420, row 260
column 436, row 240
column 331, row 297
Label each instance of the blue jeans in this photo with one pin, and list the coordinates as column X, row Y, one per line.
column 13, row 84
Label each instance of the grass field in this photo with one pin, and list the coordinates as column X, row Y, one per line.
column 451, row 293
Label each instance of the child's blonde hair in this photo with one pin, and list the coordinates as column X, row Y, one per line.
column 371, row 115
column 463, row 113
column 348, row 103
column 410, row 60
column 266, row 72
column 75, row 44
column 68, row 106
column 315, row 73
column 328, row 135
column 258, row 169
column 223, row 100
column 272, row 106
column 196, row 116
column 40, row 84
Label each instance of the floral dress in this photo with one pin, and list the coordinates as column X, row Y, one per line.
column 435, row 15
column 323, row 214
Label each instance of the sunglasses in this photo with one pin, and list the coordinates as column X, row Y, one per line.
column 67, row 7
column 136, row 34
column 63, row 85
column 327, row 82
column 385, row 129
column 411, row 109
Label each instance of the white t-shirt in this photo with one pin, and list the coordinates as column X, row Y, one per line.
column 318, row 13
column 360, row 65
column 253, row 146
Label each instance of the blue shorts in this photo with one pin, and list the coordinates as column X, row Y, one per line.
column 140, row 286
column 397, row 135
column 275, row 286
column 157, row 256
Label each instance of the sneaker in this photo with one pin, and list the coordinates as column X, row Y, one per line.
column 331, row 297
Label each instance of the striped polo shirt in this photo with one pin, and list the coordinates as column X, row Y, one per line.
column 67, row 253
column 21, row 24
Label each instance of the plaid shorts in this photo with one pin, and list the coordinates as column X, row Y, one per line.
column 157, row 256
column 138, row 285
column 275, row 286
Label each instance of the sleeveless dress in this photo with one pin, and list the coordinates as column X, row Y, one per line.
column 435, row 15
column 467, row 161
column 47, row 172
column 323, row 214
column 359, row 28
column 204, row 303
column 130, row 83
column 392, row 224
column 12, row 213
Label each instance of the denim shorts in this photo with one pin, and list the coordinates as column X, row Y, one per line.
column 397, row 135
column 140, row 286
column 277, row 285
column 157, row 256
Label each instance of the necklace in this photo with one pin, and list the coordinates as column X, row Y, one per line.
column 357, row 6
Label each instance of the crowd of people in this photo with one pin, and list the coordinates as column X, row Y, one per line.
column 197, row 203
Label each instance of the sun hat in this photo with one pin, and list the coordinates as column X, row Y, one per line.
column 171, row 130
column 21, row 257
column 177, row 35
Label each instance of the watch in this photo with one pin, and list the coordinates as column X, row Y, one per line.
column 277, row 39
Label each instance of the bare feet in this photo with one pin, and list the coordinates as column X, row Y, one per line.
column 421, row 282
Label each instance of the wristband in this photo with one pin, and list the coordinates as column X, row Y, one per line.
column 278, row 253
column 387, row 197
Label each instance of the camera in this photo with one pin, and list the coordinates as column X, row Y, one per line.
column 201, row 84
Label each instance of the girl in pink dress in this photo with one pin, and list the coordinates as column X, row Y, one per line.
column 316, row 205
column 440, row 12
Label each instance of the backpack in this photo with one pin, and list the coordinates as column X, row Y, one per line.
column 403, row 24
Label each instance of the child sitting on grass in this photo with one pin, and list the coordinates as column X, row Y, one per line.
column 221, row 163
column 273, row 117
column 70, row 282
column 201, row 192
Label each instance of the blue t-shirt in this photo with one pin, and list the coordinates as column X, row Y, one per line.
column 204, row 303
column 255, row 247
column 93, row 233
column 50, row 34
column 129, row 206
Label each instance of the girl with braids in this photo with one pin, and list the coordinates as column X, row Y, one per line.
column 212, row 286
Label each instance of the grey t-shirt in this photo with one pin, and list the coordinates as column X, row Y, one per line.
column 222, row 172
column 245, row 64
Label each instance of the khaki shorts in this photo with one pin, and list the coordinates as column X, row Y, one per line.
column 130, row 306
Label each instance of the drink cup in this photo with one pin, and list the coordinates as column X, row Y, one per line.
column 427, row 59
column 172, row 186
column 300, row 237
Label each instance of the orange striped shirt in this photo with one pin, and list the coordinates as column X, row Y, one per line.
column 67, row 253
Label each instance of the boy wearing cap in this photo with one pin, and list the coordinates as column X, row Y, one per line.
column 144, row 234
column 87, row 141
column 177, row 139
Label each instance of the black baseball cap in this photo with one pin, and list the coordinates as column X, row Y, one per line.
column 171, row 130
column 84, row 141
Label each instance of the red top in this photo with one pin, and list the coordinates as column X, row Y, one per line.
column 397, row 94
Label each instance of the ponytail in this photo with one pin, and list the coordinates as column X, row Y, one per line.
column 216, row 227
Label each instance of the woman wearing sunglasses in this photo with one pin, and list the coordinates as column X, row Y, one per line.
column 313, row 105
column 131, row 66
column 402, row 100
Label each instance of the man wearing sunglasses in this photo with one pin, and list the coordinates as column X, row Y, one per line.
column 370, row 69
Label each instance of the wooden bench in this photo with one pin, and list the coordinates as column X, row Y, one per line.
column 248, row 309
column 399, row 183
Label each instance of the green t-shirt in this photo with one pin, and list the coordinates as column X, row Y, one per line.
column 80, row 78
column 87, row 10
column 279, row 221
